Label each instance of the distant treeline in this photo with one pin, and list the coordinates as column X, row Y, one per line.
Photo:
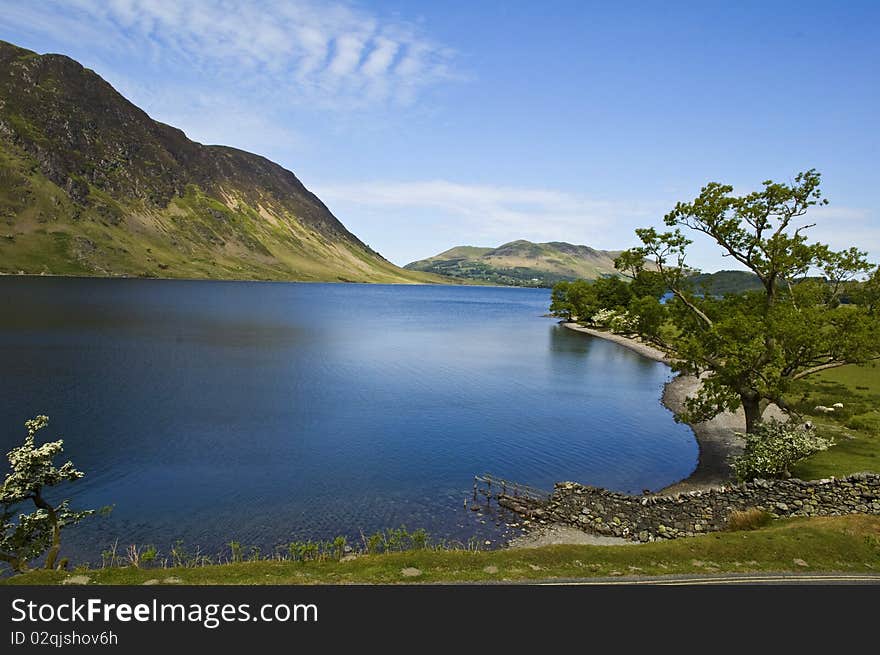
column 519, row 276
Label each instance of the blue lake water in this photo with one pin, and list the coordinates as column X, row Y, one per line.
column 268, row 412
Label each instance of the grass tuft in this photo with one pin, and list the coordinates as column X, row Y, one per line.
column 748, row 519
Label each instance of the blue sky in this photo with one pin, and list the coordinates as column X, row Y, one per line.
column 429, row 125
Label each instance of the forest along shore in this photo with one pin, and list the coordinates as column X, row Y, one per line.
column 716, row 438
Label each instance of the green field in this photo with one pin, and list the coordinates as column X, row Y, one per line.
column 855, row 427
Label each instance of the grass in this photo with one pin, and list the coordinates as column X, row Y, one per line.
column 855, row 427
column 748, row 519
column 842, row 543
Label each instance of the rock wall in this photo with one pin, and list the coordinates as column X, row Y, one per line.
column 648, row 518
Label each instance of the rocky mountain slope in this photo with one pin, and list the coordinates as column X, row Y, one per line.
column 521, row 263
column 91, row 185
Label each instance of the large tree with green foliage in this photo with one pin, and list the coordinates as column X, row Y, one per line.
column 752, row 346
column 28, row 536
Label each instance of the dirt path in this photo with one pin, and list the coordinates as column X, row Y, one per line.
column 558, row 533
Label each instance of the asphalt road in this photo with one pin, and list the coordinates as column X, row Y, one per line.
column 727, row 579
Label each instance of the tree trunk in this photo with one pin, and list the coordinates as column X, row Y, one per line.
column 751, row 403
column 52, row 553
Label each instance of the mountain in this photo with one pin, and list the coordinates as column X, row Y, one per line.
column 521, row 263
column 91, row 185
column 724, row 282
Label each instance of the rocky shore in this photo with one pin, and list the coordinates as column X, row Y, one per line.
column 655, row 517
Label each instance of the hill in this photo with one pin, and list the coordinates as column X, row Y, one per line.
column 91, row 185
column 521, row 263
column 724, row 282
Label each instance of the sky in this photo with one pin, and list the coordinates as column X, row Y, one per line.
column 426, row 125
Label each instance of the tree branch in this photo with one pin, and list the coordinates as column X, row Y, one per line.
column 825, row 367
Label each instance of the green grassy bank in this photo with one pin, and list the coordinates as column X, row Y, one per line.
column 843, row 543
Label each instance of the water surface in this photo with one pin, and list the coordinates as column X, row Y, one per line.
column 267, row 412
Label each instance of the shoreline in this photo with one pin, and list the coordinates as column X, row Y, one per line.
column 716, row 438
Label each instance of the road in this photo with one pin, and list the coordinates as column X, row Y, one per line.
column 726, row 579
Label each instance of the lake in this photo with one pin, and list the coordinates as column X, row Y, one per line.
column 267, row 412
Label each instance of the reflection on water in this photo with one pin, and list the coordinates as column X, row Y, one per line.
column 266, row 412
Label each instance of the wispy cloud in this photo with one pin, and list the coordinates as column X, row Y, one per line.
column 844, row 227
column 332, row 54
column 442, row 211
column 418, row 219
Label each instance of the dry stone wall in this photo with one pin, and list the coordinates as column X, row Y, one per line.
column 649, row 517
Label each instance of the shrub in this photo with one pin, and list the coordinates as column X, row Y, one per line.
column 33, row 473
column 616, row 321
column 774, row 447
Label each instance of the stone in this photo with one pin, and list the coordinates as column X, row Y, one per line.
column 641, row 518
column 490, row 569
column 410, row 572
column 77, row 579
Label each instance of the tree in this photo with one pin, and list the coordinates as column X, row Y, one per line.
column 560, row 304
column 867, row 293
column 648, row 315
column 751, row 347
column 612, row 293
column 648, row 283
column 32, row 472
column 571, row 300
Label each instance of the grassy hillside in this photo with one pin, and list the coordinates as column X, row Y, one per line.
column 521, row 263
column 91, row 185
column 724, row 282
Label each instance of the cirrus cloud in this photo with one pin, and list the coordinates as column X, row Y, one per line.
column 416, row 219
column 332, row 54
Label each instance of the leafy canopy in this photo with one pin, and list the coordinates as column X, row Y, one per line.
column 750, row 347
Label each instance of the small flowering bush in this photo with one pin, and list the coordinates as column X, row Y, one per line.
column 603, row 317
column 25, row 537
column 616, row 321
column 774, row 447
column 623, row 323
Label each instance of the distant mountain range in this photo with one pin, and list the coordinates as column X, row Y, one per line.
column 91, row 185
column 526, row 264
column 521, row 263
